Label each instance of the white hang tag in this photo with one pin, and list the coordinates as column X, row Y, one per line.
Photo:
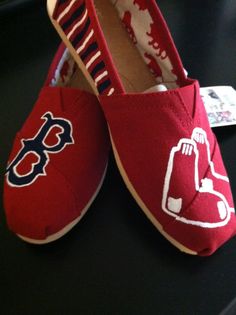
column 220, row 104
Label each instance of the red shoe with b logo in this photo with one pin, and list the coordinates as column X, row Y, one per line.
column 58, row 160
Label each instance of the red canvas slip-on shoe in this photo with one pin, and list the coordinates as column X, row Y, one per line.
column 165, row 150
column 59, row 158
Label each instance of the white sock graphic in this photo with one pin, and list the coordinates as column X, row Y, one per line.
column 186, row 149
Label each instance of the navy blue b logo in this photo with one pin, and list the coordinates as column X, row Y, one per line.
column 40, row 149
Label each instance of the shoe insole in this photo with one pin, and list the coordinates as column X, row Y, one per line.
column 134, row 73
column 78, row 80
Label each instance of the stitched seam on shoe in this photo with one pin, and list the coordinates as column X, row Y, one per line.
column 143, row 95
column 155, row 106
column 152, row 107
column 74, row 107
column 190, row 122
column 66, row 182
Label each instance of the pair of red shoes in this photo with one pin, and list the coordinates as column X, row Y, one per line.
column 161, row 139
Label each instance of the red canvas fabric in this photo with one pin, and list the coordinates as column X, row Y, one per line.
column 170, row 159
column 67, row 126
column 173, row 162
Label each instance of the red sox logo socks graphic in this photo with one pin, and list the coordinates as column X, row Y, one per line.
column 38, row 147
column 188, row 153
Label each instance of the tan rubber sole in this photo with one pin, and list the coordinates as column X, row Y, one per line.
column 69, row 226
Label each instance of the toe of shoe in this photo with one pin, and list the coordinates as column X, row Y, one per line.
column 41, row 209
column 203, row 229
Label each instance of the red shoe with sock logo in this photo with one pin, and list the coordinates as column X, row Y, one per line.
column 164, row 147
